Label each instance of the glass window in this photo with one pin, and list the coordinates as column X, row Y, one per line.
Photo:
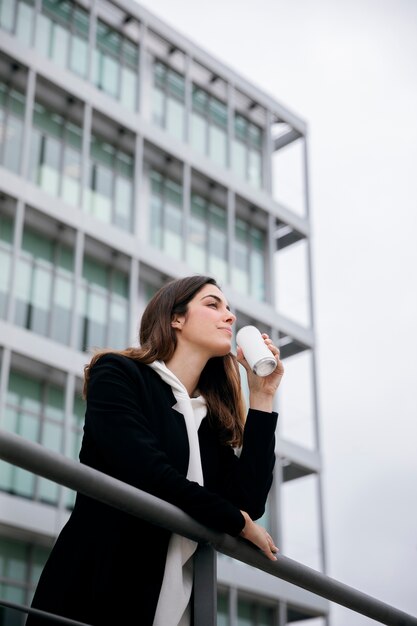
column 217, row 142
column 6, row 241
column 16, row 16
column 209, row 126
column 247, row 151
column 7, row 14
column 55, row 154
column 103, row 307
column 207, row 238
column 45, row 286
column 166, row 220
column 12, row 105
column 254, row 614
column 62, row 34
column 249, row 260
column 109, row 196
column 34, row 410
column 222, row 609
column 168, row 100
column 24, row 21
column 115, row 65
column 20, row 567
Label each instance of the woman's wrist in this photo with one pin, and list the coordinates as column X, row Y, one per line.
column 261, row 402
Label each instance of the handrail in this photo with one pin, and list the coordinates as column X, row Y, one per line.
column 89, row 481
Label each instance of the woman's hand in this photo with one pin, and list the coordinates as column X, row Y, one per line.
column 259, row 536
column 262, row 388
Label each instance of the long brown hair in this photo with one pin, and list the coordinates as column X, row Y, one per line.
column 220, row 379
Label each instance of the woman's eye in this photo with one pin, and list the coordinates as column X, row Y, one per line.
column 213, row 304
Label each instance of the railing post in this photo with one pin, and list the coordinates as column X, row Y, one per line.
column 205, row 586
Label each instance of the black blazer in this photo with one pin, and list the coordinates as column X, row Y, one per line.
column 106, row 566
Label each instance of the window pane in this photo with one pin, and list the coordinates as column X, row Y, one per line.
column 158, row 99
column 198, row 133
column 49, row 175
column 218, row 142
column 255, row 169
column 196, row 250
column 128, row 88
column 123, row 191
column 109, row 75
column 79, row 56
column 71, row 176
column 12, row 143
column 175, row 118
column 61, row 310
column 222, row 610
column 5, row 264
column 59, row 47
column 176, row 85
column 101, row 197
column 200, row 100
column 41, row 294
column 218, row 112
column 241, row 127
column 7, row 9
column 118, row 324
column 156, row 221
column 239, row 159
column 173, row 231
column 218, row 254
column 24, row 22
column 22, row 293
column 43, row 34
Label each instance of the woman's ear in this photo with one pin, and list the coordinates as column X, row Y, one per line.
column 177, row 322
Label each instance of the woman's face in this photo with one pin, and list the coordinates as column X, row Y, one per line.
column 207, row 324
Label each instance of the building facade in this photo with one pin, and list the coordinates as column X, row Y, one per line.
column 129, row 156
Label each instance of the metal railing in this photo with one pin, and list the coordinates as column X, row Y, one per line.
column 39, row 460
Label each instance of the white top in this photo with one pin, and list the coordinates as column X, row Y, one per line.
column 173, row 607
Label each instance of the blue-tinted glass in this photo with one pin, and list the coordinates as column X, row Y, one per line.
column 175, row 118
column 239, row 159
column 24, row 21
column 78, row 62
column 123, row 191
column 222, row 610
column 241, row 127
column 200, row 100
column 218, row 112
column 59, row 45
column 43, row 36
column 7, row 11
column 255, row 168
column 13, row 144
column 128, row 90
column 218, row 143
column 199, row 133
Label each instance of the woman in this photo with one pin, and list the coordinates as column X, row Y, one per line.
column 166, row 417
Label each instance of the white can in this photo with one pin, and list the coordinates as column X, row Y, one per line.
column 260, row 358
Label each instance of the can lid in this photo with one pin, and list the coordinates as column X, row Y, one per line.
column 265, row 366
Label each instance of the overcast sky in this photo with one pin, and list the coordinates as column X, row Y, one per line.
column 349, row 68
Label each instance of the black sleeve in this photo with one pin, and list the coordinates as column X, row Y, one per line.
column 122, row 432
column 247, row 477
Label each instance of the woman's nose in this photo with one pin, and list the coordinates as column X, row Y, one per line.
column 230, row 317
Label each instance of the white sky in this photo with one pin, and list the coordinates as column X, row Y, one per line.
column 349, row 68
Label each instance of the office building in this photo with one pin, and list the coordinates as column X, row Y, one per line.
column 129, row 156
